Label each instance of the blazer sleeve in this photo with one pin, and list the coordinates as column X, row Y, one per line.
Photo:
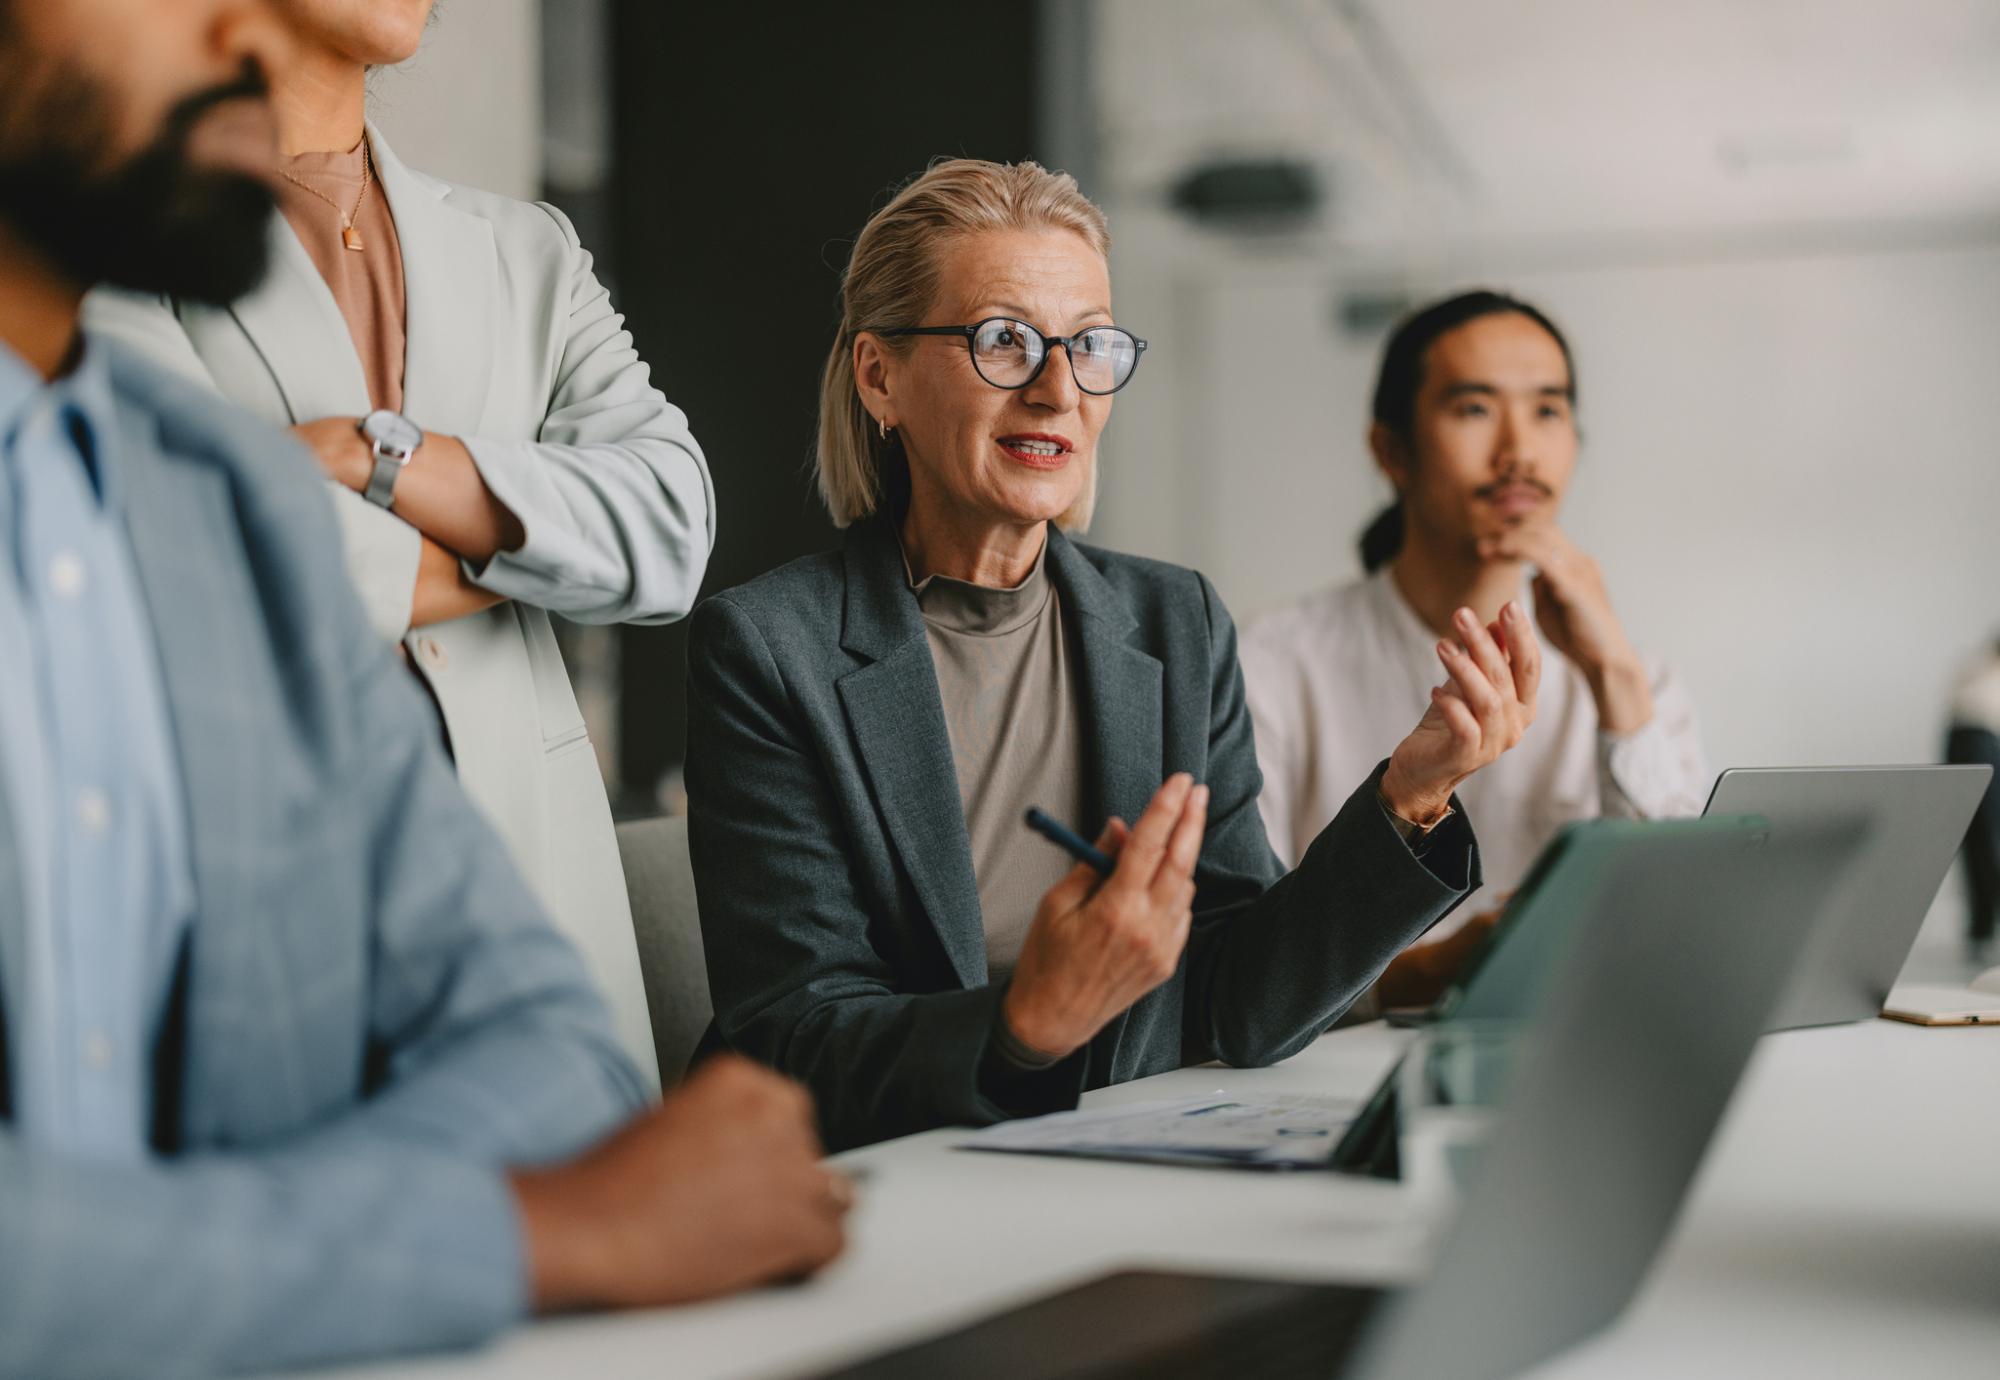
column 1274, row 959
column 383, row 551
column 383, row 555
column 613, row 495
column 390, row 1227
column 797, row 983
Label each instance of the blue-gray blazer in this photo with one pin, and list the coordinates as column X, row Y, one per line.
column 373, row 1018
column 838, row 904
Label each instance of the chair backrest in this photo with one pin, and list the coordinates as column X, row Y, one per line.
column 660, row 880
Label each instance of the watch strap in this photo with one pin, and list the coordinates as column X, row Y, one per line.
column 381, row 490
column 384, row 431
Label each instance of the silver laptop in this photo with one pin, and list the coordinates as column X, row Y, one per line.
column 1917, row 818
column 1677, row 943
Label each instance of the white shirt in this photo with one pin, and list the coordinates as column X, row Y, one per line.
column 1337, row 680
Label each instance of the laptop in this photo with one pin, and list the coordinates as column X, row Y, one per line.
column 1917, row 816
column 1687, row 934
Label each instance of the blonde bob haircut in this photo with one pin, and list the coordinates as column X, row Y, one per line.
column 892, row 278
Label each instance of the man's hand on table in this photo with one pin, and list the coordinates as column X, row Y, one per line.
column 719, row 1188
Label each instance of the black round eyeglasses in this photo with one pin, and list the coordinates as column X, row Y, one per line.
column 1010, row 354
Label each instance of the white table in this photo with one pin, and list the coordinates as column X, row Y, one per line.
column 1847, row 1223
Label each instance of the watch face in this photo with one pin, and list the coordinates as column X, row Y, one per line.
column 392, row 431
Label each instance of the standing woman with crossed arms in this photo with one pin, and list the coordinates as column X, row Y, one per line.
column 494, row 447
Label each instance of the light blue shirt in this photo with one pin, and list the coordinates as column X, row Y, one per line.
column 93, row 783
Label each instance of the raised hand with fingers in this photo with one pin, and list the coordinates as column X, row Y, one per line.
column 1095, row 949
column 1486, row 703
column 1574, row 610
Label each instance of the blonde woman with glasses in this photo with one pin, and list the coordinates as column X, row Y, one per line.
column 868, row 727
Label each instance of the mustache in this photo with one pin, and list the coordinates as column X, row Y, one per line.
column 1509, row 481
column 251, row 84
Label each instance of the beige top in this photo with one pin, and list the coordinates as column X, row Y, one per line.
column 367, row 284
column 1336, row 681
column 1010, row 706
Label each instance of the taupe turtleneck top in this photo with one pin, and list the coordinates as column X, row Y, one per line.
column 1007, row 680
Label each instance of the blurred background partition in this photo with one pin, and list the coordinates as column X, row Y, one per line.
column 751, row 141
column 1771, row 227
column 469, row 107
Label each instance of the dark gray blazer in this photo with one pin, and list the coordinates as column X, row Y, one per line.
column 834, row 873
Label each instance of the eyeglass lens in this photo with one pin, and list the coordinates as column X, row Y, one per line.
column 1008, row 354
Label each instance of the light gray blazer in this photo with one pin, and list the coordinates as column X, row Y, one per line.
column 376, row 1016
column 513, row 347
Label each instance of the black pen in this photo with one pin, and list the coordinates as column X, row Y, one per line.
column 1067, row 839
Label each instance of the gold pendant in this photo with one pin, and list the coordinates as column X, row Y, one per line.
column 351, row 237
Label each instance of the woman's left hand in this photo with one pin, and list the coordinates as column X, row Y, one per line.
column 1482, row 709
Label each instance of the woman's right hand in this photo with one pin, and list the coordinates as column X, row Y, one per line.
column 1092, row 953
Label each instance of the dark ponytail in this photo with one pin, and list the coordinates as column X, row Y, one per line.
column 1402, row 377
column 1383, row 539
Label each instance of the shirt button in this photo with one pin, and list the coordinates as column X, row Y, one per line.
column 93, row 811
column 97, row 1051
column 434, row 652
column 66, row 574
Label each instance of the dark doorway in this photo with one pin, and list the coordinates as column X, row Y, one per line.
column 751, row 141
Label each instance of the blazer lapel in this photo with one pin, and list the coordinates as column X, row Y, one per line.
column 896, row 714
column 295, row 325
column 1124, row 729
column 201, row 608
column 1123, row 725
column 450, row 272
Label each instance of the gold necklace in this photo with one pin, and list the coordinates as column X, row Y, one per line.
column 350, row 234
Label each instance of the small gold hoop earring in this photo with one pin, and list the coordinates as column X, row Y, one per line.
column 884, row 428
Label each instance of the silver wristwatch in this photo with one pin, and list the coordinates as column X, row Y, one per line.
column 394, row 438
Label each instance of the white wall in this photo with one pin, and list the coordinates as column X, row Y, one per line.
column 1789, row 473
column 468, row 106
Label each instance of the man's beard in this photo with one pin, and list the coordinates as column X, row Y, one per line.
column 154, row 223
